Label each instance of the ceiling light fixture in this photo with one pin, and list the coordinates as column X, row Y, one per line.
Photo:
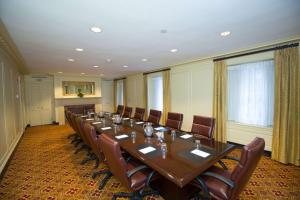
column 96, row 29
column 173, row 50
column 79, row 49
column 144, row 59
column 125, row 66
column 108, row 60
column 225, row 33
column 96, row 66
column 101, row 74
column 60, row 72
column 71, row 60
column 82, row 73
column 163, row 31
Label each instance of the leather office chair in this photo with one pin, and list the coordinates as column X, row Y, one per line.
column 68, row 119
column 120, row 110
column 127, row 112
column 154, row 116
column 203, row 126
column 174, row 120
column 134, row 176
column 74, row 126
column 223, row 184
column 139, row 114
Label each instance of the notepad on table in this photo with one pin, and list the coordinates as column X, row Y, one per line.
column 147, row 150
column 159, row 128
column 90, row 119
column 83, row 116
column 139, row 122
column 126, row 118
column 96, row 122
column 200, row 153
column 121, row 136
column 186, row 136
column 105, row 128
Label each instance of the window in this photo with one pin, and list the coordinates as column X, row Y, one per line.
column 120, row 90
column 155, row 91
column 251, row 93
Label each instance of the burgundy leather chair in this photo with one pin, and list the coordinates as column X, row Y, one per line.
column 127, row 112
column 74, row 126
column 68, row 119
column 154, row 116
column 223, row 184
column 174, row 120
column 120, row 110
column 139, row 114
column 203, row 126
column 134, row 176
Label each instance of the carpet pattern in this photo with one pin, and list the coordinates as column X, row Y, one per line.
column 45, row 167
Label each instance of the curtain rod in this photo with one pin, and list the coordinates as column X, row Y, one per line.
column 258, row 51
column 118, row 79
column 162, row 70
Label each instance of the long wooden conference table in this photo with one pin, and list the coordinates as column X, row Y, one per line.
column 178, row 166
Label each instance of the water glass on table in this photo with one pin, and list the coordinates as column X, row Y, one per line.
column 197, row 144
column 164, row 150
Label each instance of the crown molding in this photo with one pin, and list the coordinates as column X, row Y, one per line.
column 9, row 47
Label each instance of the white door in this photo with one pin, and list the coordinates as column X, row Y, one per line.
column 107, row 96
column 40, row 93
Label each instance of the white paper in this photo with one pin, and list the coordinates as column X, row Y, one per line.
column 105, row 128
column 126, row 118
column 121, row 136
column 186, row 136
column 90, row 119
column 83, row 116
column 139, row 122
column 200, row 153
column 147, row 150
column 159, row 128
column 96, row 122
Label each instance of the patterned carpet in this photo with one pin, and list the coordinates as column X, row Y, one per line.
column 44, row 167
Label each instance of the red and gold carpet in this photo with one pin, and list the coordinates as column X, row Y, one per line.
column 45, row 167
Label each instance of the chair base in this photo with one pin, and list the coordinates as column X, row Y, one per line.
column 72, row 135
column 135, row 195
column 89, row 158
column 83, row 146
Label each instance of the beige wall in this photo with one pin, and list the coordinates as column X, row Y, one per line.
column 12, row 106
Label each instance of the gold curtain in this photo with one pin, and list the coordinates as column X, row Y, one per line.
column 166, row 95
column 145, row 103
column 125, row 91
column 115, row 95
column 286, row 131
column 220, row 100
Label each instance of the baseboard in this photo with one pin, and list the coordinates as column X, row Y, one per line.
column 8, row 155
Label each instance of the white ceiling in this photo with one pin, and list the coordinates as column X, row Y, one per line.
column 47, row 32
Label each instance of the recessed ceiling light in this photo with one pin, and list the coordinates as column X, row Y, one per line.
column 71, row 60
column 125, row 66
column 144, row 59
column 225, row 33
column 96, row 29
column 173, row 50
column 163, row 31
column 96, row 66
column 82, row 73
column 101, row 74
column 79, row 49
column 108, row 60
column 60, row 72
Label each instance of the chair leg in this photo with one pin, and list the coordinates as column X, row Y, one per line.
column 83, row 146
column 223, row 165
column 97, row 163
column 72, row 135
column 77, row 143
column 89, row 158
column 103, row 182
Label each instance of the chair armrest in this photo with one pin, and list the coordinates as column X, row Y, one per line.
column 228, row 182
column 232, row 158
column 135, row 170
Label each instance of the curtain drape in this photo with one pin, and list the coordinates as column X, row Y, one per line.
column 115, row 95
column 125, row 91
column 286, row 139
column 145, row 96
column 166, row 95
column 220, row 100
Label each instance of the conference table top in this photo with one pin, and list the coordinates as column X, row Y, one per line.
column 178, row 165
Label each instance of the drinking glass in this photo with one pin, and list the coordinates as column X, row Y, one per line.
column 197, row 142
column 163, row 147
column 173, row 134
column 131, row 123
column 133, row 136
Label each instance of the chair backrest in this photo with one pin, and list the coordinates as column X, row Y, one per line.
column 250, row 156
column 116, row 162
column 139, row 113
column 73, row 122
column 154, row 116
column 68, row 117
column 174, row 120
column 80, row 124
column 91, row 134
column 203, row 126
column 127, row 112
column 120, row 109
